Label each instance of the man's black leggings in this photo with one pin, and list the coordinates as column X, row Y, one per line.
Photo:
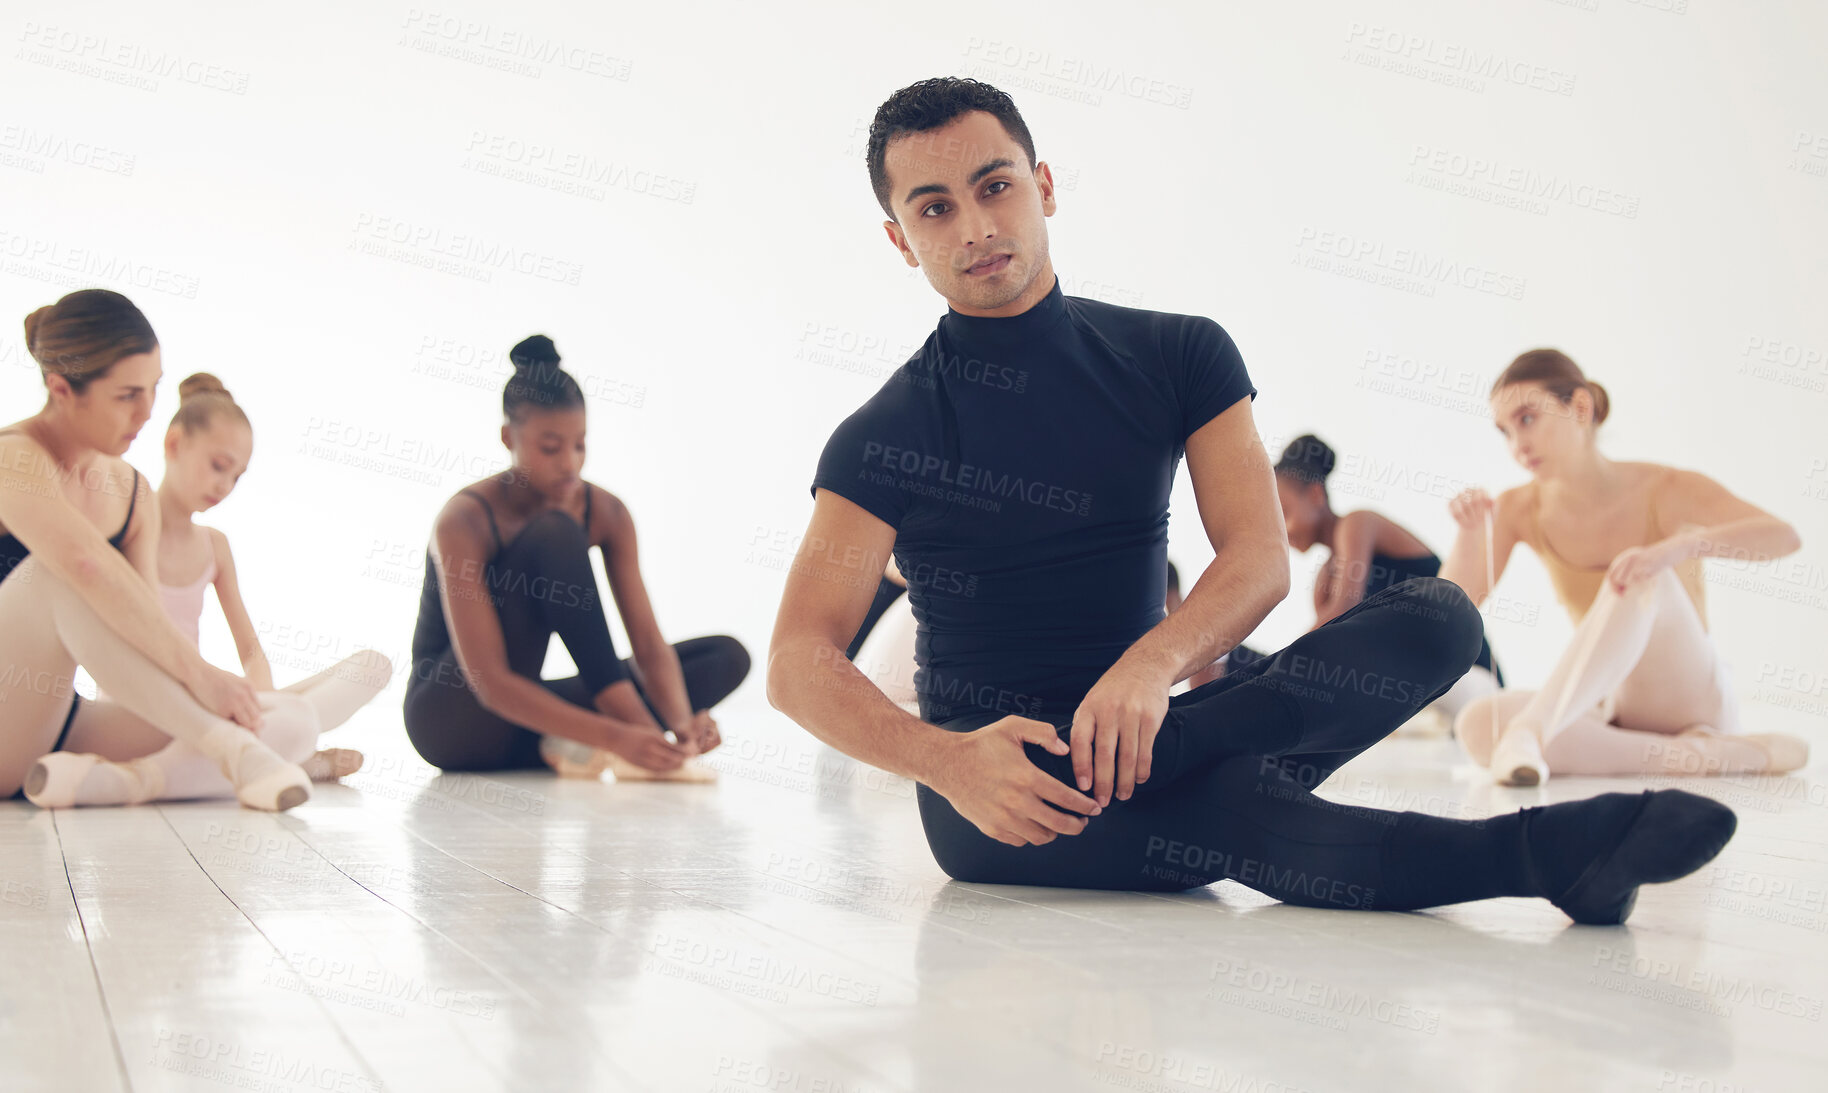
column 1234, row 766
column 532, row 580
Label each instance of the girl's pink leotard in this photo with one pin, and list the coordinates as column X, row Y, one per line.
column 184, row 603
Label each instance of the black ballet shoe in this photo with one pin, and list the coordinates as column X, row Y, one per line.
column 1669, row 834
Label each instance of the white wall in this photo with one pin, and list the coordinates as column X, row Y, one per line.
column 227, row 167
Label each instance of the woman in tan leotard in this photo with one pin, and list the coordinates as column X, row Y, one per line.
column 1641, row 689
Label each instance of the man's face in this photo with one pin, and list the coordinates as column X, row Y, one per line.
column 969, row 212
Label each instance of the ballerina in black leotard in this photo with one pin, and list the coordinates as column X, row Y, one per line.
column 1369, row 552
column 508, row 566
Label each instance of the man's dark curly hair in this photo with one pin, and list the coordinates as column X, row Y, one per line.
column 931, row 104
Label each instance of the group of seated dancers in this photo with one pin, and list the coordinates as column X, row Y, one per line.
column 1018, row 643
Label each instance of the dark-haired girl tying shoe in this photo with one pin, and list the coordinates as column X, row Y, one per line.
column 508, row 566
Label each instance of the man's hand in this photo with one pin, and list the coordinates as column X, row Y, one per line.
column 1114, row 731
column 991, row 782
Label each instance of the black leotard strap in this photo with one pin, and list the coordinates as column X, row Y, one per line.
column 493, row 530
column 133, row 497
column 587, row 512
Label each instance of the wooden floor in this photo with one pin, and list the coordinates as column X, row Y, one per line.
column 788, row 930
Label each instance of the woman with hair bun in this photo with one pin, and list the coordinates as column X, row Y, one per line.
column 1367, row 552
column 71, row 593
column 507, row 567
column 1642, row 689
column 207, row 449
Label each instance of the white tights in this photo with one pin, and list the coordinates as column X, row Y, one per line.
column 1640, row 670
column 47, row 629
column 291, row 719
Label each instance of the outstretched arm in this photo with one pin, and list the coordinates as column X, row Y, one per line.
column 985, row 773
column 656, row 662
column 1700, row 518
column 829, row 589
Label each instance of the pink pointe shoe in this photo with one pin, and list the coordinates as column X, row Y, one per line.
column 1517, row 759
column 1703, row 749
column 67, row 779
column 261, row 778
column 332, row 764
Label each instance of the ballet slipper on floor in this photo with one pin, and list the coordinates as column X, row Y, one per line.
column 1517, row 759
column 65, row 779
column 688, row 771
column 1703, row 749
column 261, row 778
column 572, row 758
column 331, row 764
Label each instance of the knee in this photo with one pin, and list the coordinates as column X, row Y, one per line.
column 372, row 667
column 553, row 532
column 1448, row 622
column 1641, row 592
column 731, row 658
column 372, row 660
column 735, row 657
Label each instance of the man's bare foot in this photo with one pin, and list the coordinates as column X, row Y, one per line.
column 688, row 771
column 332, row 763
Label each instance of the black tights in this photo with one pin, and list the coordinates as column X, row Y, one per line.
column 1234, row 765
column 542, row 584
